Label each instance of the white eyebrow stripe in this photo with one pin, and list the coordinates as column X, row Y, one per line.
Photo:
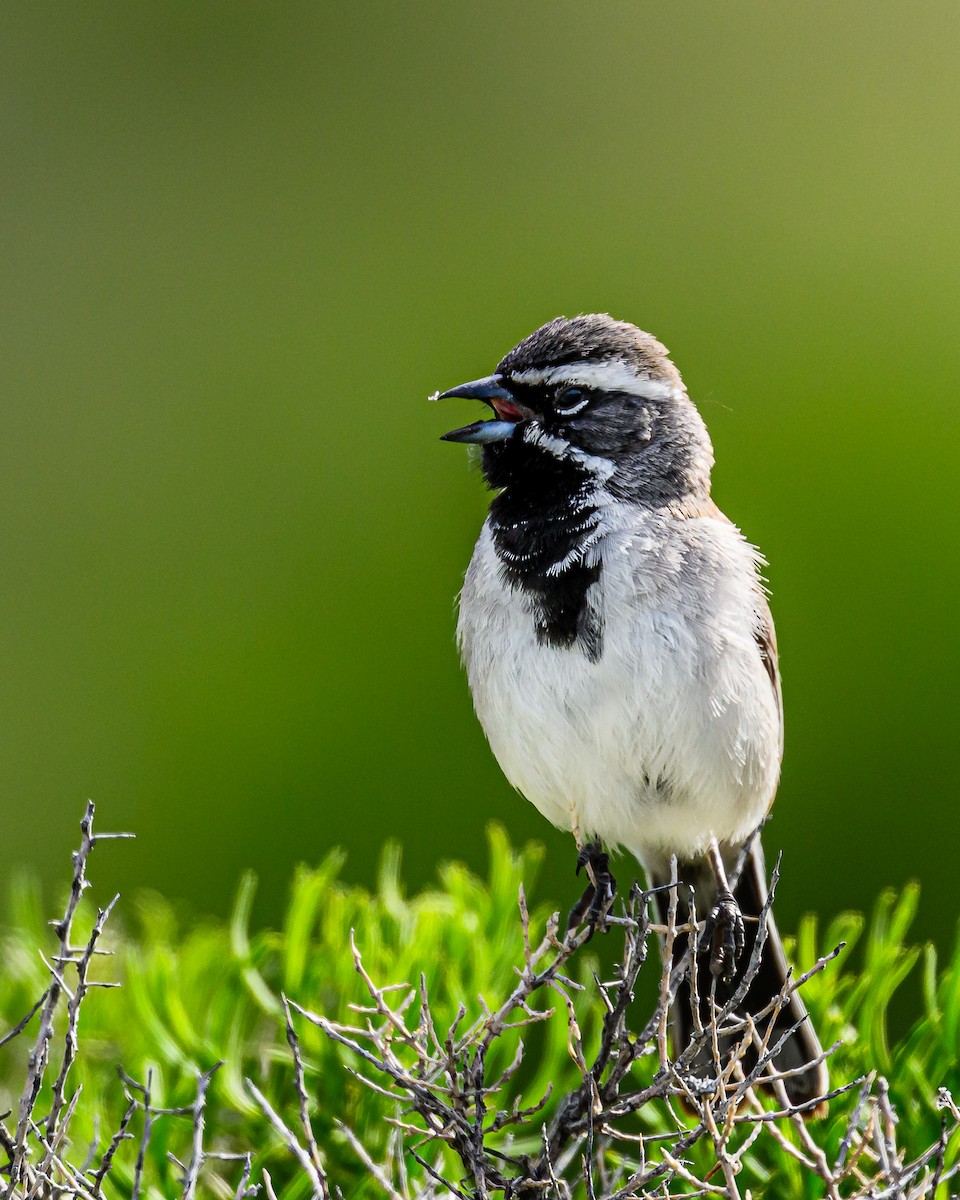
column 612, row 376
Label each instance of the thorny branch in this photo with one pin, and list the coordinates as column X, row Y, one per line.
column 460, row 1117
column 37, row 1148
column 589, row 1142
column 21, row 1174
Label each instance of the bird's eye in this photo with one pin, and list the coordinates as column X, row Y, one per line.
column 570, row 400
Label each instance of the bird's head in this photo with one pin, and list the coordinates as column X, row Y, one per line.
column 596, row 395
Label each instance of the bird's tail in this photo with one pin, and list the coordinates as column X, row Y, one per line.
column 800, row 1058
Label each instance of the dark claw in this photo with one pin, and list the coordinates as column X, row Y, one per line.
column 726, row 935
column 596, row 901
column 580, row 909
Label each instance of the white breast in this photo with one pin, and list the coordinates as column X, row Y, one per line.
column 673, row 735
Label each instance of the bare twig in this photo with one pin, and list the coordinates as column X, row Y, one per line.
column 317, row 1181
column 196, row 1150
column 56, row 1123
column 302, row 1096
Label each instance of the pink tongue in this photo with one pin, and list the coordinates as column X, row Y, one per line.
column 507, row 411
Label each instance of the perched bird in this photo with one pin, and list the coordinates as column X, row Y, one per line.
column 619, row 646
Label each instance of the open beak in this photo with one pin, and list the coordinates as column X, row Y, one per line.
column 492, row 391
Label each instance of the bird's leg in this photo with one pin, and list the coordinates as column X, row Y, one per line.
column 725, row 922
column 597, row 900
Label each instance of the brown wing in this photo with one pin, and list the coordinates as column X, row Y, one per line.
column 764, row 634
column 766, row 639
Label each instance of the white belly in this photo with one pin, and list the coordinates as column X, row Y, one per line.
column 673, row 736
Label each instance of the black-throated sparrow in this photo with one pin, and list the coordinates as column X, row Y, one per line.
column 618, row 642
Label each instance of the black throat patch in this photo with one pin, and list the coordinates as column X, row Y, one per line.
column 542, row 522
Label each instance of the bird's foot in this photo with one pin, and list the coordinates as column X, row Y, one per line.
column 596, row 902
column 725, row 935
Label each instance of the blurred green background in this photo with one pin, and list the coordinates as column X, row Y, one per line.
column 242, row 243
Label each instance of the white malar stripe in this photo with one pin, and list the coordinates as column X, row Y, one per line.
column 535, row 435
column 613, row 375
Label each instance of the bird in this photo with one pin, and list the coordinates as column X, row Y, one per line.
column 620, row 651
